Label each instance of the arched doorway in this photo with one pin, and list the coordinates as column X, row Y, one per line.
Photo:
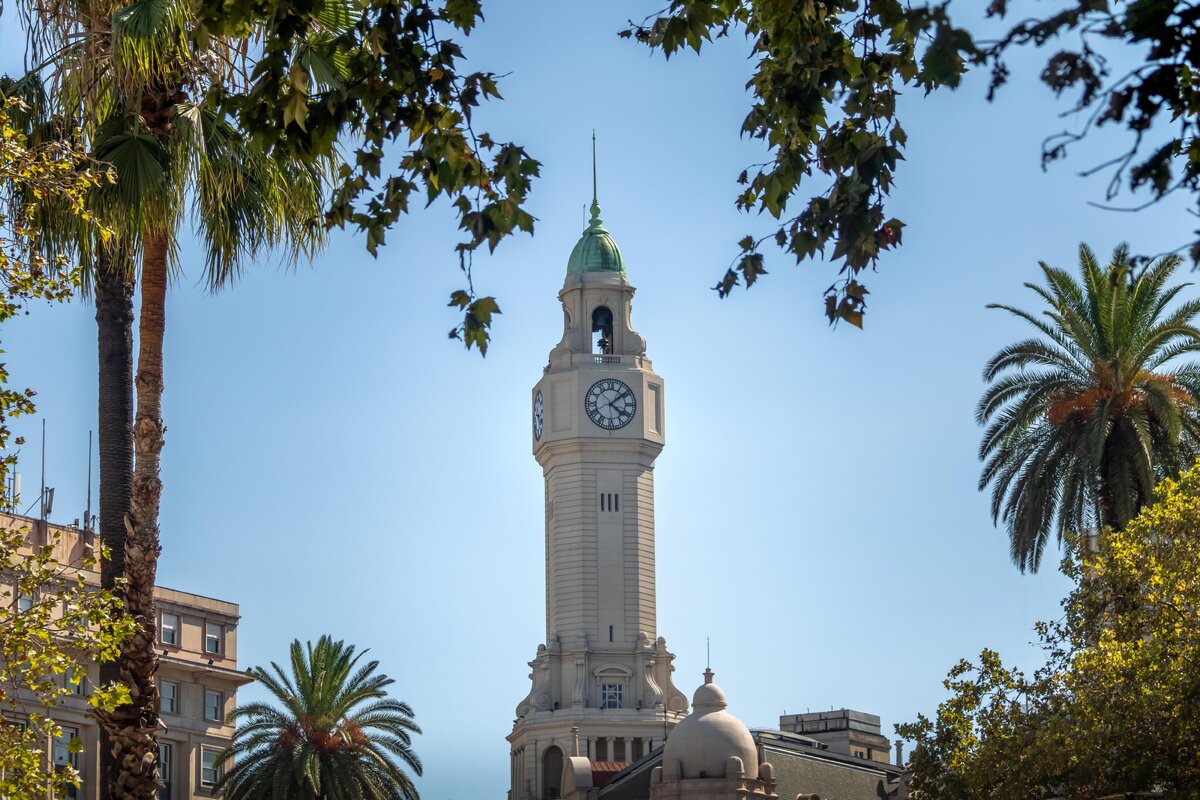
column 552, row 767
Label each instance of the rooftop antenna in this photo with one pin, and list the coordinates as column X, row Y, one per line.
column 708, row 652
column 43, row 495
column 87, row 514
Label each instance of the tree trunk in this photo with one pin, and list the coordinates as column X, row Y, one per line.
column 114, row 335
column 135, row 726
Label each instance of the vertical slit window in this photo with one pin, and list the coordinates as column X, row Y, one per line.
column 616, row 502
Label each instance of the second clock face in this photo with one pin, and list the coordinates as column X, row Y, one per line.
column 539, row 410
column 610, row 403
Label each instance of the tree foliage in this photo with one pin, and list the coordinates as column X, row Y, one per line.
column 333, row 732
column 124, row 74
column 376, row 74
column 1113, row 711
column 826, row 81
column 32, row 176
column 1086, row 417
column 52, row 625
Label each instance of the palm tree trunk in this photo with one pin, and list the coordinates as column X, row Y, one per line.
column 114, row 335
column 1106, row 506
column 137, row 724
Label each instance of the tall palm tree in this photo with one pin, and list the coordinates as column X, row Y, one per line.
column 124, row 73
column 333, row 732
column 1083, row 420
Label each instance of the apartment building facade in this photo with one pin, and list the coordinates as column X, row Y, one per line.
column 198, row 679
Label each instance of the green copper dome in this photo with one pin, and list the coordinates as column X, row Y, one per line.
column 595, row 251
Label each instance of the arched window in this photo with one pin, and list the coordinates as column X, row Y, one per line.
column 602, row 330
column 552, row 767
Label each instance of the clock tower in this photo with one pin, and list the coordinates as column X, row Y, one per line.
column 601, row 683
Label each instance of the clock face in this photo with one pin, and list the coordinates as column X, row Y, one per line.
column 610, row 404
column 539, row 410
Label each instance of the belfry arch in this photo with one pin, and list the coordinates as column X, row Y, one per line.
column 602, row 330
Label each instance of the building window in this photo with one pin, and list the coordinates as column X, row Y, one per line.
column 77, row 681
column 67, row 747
column 212, row 706
column 24, row 602
column 165, row 759
column 63, row 756
column 210, row 769
column 214, row 635
column 610, row 695
column 168, row 629
column 168, row 692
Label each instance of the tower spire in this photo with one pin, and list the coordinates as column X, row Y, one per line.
column 596, row 224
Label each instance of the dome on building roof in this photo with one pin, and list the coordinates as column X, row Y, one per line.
column 595, row 251
column 702, row 745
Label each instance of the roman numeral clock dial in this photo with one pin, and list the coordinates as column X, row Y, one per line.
column 610, row 403
column 539, row 416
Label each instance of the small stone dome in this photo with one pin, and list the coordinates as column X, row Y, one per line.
column 702, row 745
column 595, row 251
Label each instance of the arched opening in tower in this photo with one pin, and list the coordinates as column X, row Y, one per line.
column 602, row 330
column 552, row 767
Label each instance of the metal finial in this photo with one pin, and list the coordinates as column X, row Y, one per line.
column 596, row 224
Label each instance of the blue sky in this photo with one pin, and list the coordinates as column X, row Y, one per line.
column 336, row 465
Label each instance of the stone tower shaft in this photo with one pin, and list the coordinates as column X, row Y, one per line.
column 601, row 682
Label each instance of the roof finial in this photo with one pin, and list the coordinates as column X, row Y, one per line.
column 708, row 673
column 596, row 223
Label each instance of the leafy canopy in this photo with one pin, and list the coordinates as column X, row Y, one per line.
column 33, row 176
column 1083, row 419
column 52, row 624
column 367, row 76
column 1112, row 712
column 828, row 74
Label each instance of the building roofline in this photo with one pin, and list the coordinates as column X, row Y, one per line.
column 32, row 521
column 779, row 740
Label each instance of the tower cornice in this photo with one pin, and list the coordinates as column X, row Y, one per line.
column 600, row 451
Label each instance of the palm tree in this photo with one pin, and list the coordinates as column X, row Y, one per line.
column 1085, row 419
column 122, row 73
column 333, row 733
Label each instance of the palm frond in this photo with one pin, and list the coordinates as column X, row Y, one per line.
column 1080, row 422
